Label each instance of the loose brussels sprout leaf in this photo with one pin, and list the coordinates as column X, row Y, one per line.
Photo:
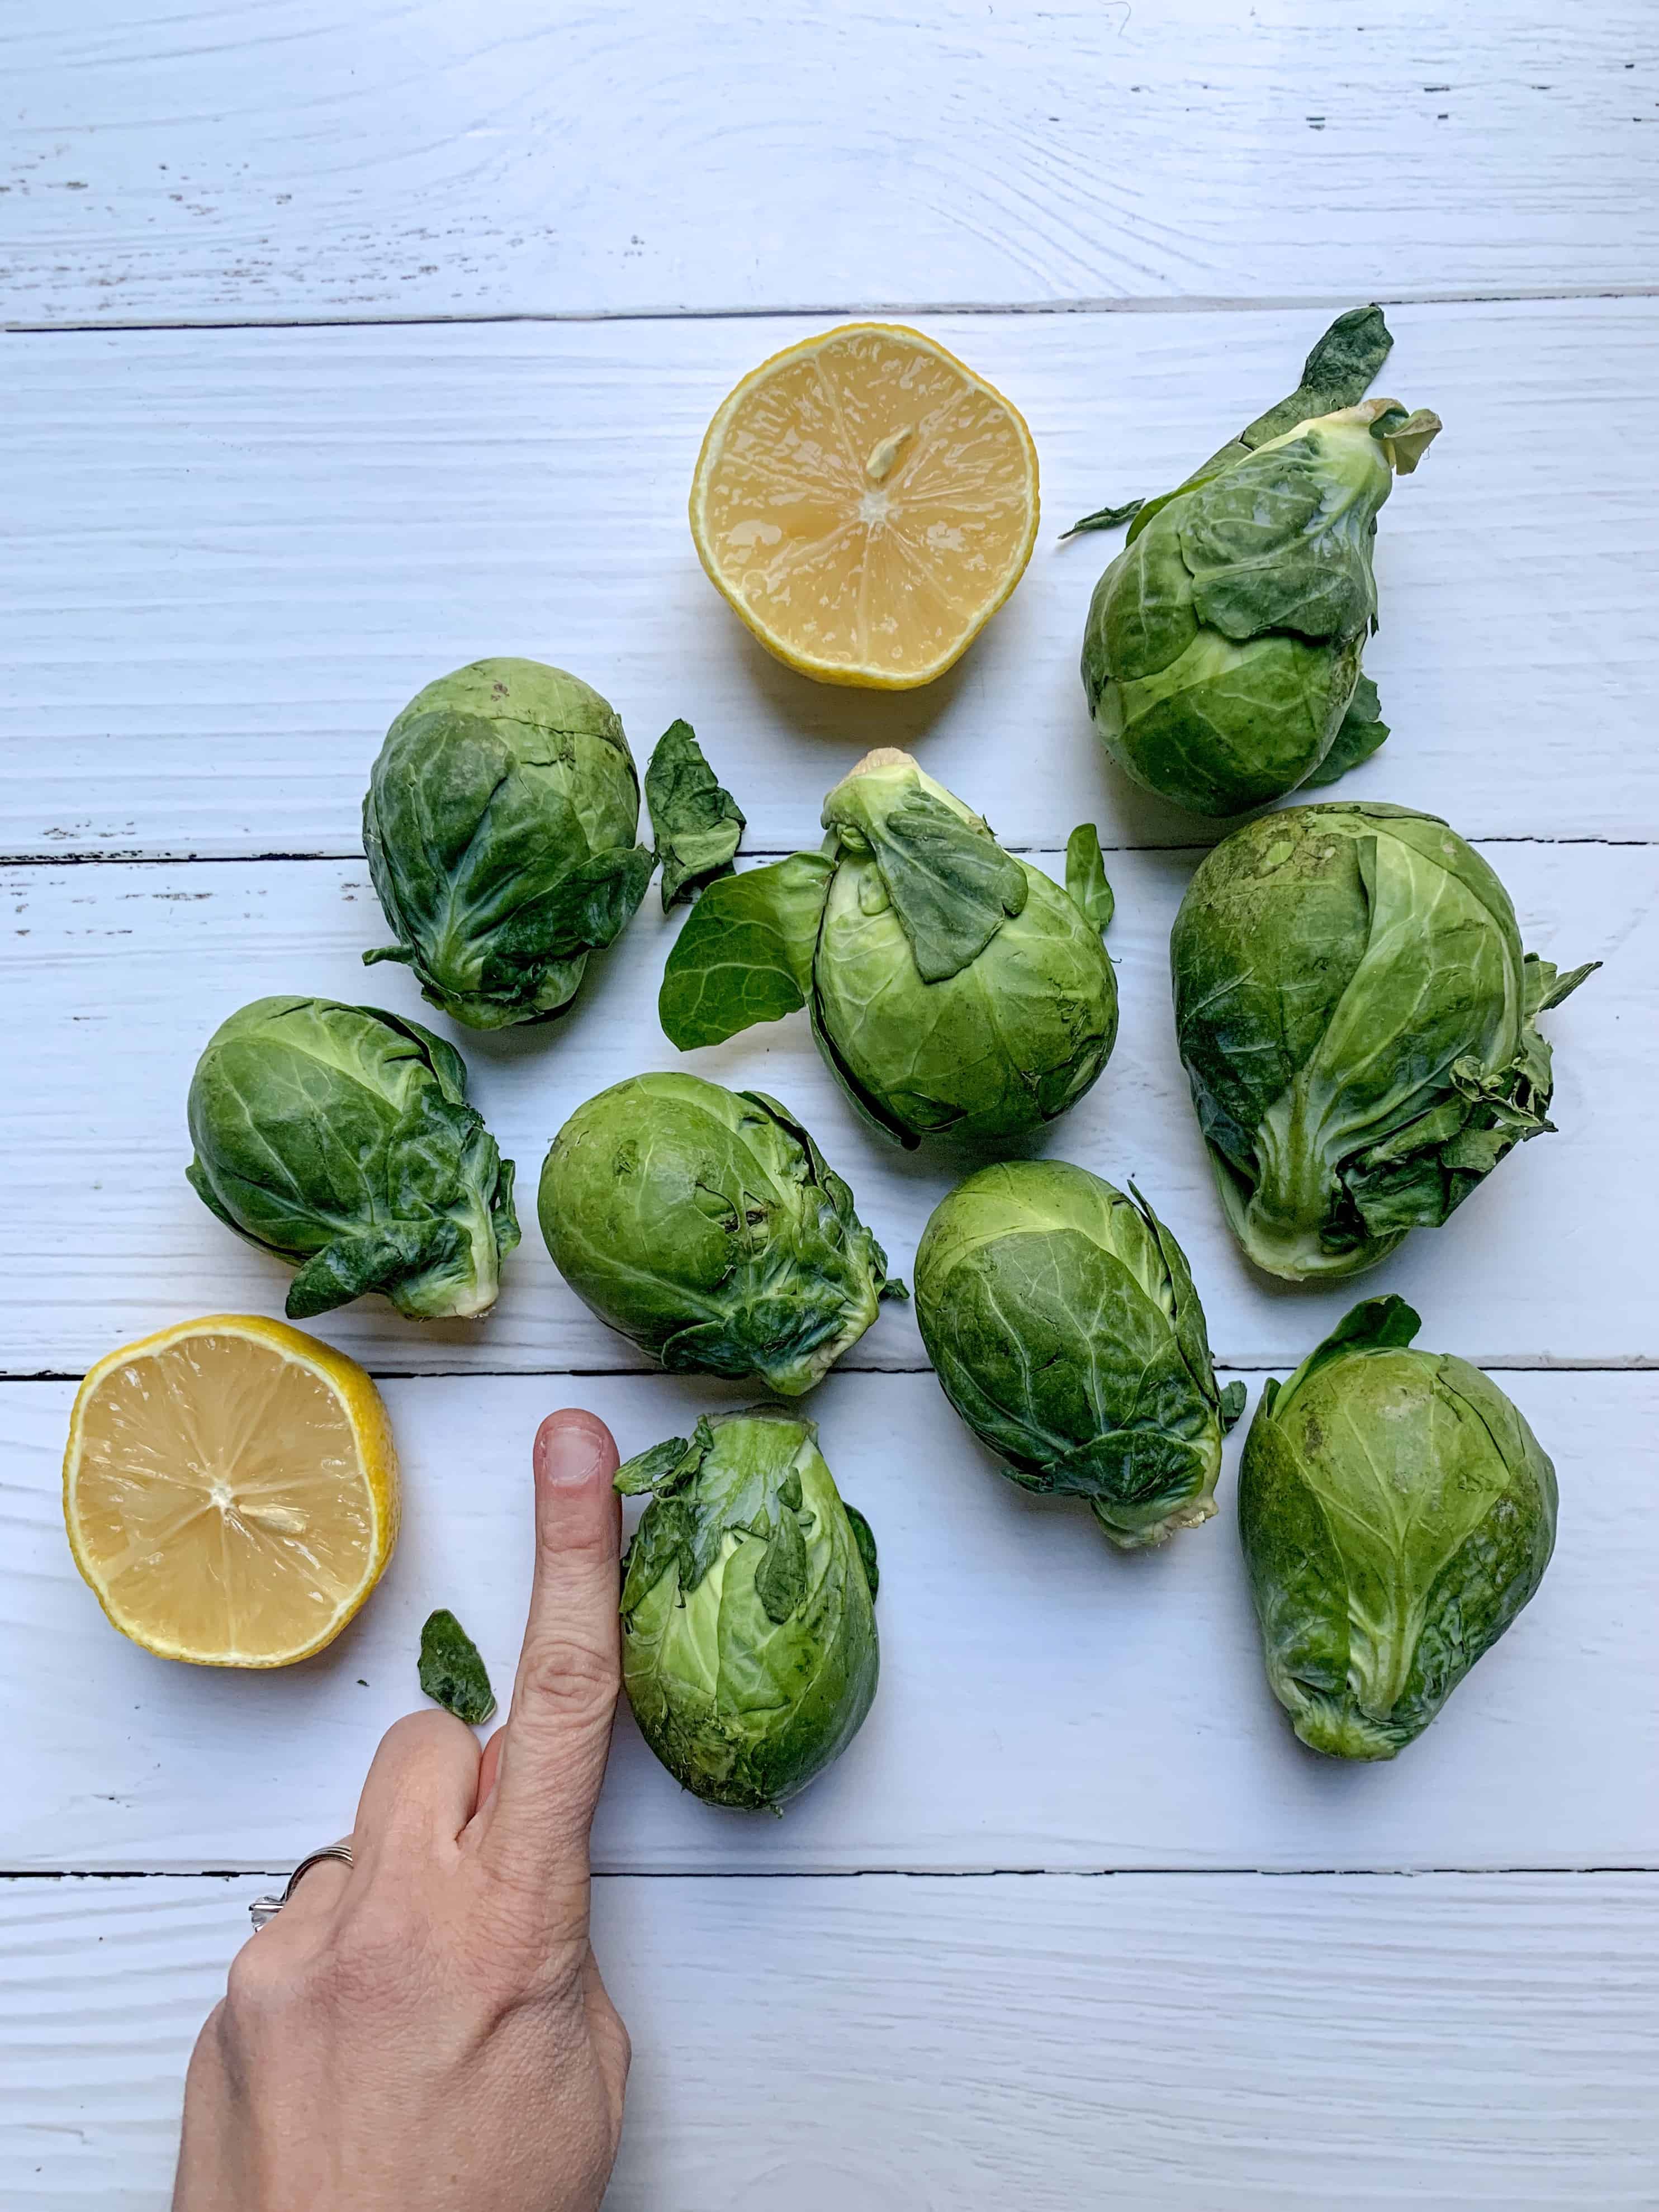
column 1396, row 1514
column 695, row 822
column 1356, row 1016
column 951, row 986
column 1232, row 1404
column 1338, row 373
column 501, row 828
column 706, row 1225
column 339, row 1138
column 1104, row 518
column 453, row 1673
column 1085, row 877
column 749, row 1651
column 1221, row 658
column 1061, row 1318
column 745, row 953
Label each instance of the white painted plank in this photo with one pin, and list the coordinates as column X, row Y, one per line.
column 117, row 974
column 168, row 161
column 233, row 555
column 1445, row 2044
column 1043, row 1702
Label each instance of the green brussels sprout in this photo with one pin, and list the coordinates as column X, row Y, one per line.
column 952, row 987
column 748, row 1609
column 339, row 1138
column 1396, row 1513
column 706, row 1225
column 501, row 826
column 1062, row 1320
column 1221, row 658
column 1358, row 1022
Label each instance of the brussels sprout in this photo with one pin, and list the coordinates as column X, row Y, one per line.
column 748, row 1626
column 501, row 826
column 1066, row 1333
column 340, row 1138
column 1396, row 1513
column 952, row 987
column 1221, row 658
column 1356, row 1019
column 706, row 1225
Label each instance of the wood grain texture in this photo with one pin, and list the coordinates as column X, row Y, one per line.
column 171, row 162
column 1447, row 2045
column 233, row 555
column 1043, row 1702
column 117, row 974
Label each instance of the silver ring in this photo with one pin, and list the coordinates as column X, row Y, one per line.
column 262, row 1910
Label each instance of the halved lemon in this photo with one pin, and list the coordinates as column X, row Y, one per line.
column 866, row 503
column 230, row 1490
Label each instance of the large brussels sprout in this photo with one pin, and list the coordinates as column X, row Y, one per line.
column 952, row 987
column 748, row 1609
column 706, row 1225
column 1356, row 1019
column 340, row 1138
column 501, row 826
column 1061, row 1318
column 1221, row 658
column 1396, row 1513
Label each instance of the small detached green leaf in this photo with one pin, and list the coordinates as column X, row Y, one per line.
column 745, row 953
column 1232, row 1404
column 453, row 1673
column 1085, row 877
column 695, row 823
column 1104, row 518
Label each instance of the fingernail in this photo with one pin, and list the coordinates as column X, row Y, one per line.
column 570, row 1450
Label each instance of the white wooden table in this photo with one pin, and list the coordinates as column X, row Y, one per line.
column 354, row 341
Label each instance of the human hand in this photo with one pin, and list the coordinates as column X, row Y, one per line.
column 427, row 2028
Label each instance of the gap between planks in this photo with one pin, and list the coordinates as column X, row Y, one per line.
column 1286, row 303
column 46, row 859
column 1637, row 1365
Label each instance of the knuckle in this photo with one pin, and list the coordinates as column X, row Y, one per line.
column 573, row 1679
column 264, row 1981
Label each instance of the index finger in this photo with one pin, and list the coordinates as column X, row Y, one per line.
column 557, row 1736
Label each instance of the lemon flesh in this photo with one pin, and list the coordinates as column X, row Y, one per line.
column 866, row 503
column 230, row 1491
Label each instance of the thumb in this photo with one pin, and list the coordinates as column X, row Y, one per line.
column 557, row 1736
